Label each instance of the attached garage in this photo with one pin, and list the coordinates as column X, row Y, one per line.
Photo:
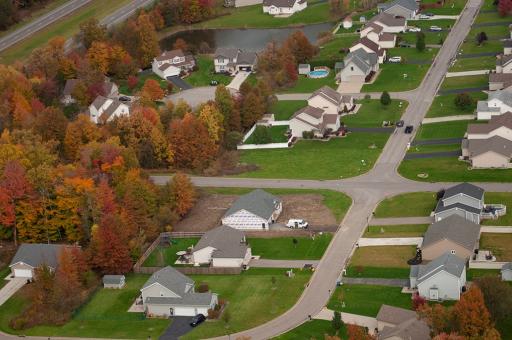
column 34, row 255
column 22, row 273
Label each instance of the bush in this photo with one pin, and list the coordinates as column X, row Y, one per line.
column 213, row 313
column 385, row 99
column 308, row 134
column 232, row 139
column 463, row 101
column 203, row 287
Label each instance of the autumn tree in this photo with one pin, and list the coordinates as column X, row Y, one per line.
column 181, row 108
column 213, row 120
column 46, row 61
column 471, row 316
column 51, row 124
column 182, row 193
column 505, row 7
column 78, row 133
column 497, row 296
column 90, row 31
column 152, row 90
column 180, row 44
column 225, row 103
column 132, row 82
column 147, row 40
column 253, row 108
column 463, row 101
column 300, row 47
column 450, row 336
column 355, row 332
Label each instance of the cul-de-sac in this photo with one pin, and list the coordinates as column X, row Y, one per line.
column 256, row 169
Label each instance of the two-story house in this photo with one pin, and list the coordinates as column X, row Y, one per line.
column 358, row 66
column 232, row 60
column 104, row 110
column 465, row 200
column 284, row 7
column 172, row 63
column 497, row 103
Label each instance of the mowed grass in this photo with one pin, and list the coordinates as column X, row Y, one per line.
column 253, row 17
column 3, row 274
column 397, row 77
column 433, row 148
column 308, row 85
column 471, row 47
column 315, row 329
column 252, row 299
column 473, row 64
column 65, row 28
column 367, row 299
column 284, row 109
column 492, row 32
column 336, row 201
column 450, row 169
column 431, row 38
column 412, row 54
column 283, row 248
column 465, row 82
column 453, row 129
column 105, row 316
column 206, row 73
column 401, row 230
column 492, row 17
column 414, row 204
column 163, row 256
column 372, row 113
column 499, row 244
column 451, row 7
column 383, row 256
column 314, row 159
column 377, row 272
column 142, row 78
column 473, row 273
column 332, row 51
column 444, row 105
column 499, row 198
column 277, row 134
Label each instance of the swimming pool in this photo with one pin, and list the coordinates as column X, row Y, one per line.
column 322, row 73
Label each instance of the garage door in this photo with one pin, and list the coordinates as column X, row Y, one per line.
column 22, row 273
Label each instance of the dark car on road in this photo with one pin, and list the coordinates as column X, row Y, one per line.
column 197, row 320
column 409, row 128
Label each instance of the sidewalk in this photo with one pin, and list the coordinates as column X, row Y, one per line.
column 354, row 319
column 401, row 220
column 447, row 119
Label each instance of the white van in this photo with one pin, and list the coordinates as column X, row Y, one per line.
column 297, row 224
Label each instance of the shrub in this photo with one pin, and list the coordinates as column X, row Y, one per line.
column 203, row 287
column 463, row 101
column 308, row 134
column 385, row 99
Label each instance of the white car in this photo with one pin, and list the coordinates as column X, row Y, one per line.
column 414, row 29
column 297, row 224
column 395, row 59
column 423, row 17
column 435, row 28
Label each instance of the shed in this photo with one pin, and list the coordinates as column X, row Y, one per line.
column 114, row 281
column 304, row 69
column 506, row 272
column 347, row 22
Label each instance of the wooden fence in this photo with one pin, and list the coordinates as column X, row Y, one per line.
column 194, row 270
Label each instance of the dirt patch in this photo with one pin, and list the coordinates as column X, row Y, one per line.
column 210, row 208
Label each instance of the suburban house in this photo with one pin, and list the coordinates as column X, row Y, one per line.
column 253, row 211
column 497, row 103
column 104, row 110
column 358, row 66
column 110, row 90
column 440, row 279
column 375, row 33
column 504, row 63
column 172, row 63
column 506, row 272
column 465, row 200
column 222, row 247
column 170, row 293
column 507, row 46
column 313, row 119
column 501, row 78
column 390, row 23
column 331, row 101
column 370, row 46
column 453, row 234
column 499, row 81
column 400, row 8
column 400, row 324
column 284, row 7
column 34, row 255
column 232, row 60
column 114, row 281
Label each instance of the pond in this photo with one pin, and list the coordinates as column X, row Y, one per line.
column 207, row 40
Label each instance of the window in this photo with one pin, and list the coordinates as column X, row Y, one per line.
column 453, row 252
column 351, row 68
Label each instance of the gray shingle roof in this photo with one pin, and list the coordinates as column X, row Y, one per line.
column 328, row 93
column 38, row 254
column 454, row 228
column 167, row 55
column 228, row 242
column 496, row 144
column 228, row 53
column 171, row 279
column 502, row 95
column 388, row 20
column 464, row 188
column 247, row 58
column 411, row 5
column 258, row 202
column 394, row 315
column 495, row 123
column 191, row 299
column 113, row 279
column 412, row 329
column 447, row 262
column 483, row 105
column 440, row 207
column 507, row 266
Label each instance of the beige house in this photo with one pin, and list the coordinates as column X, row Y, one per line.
column 313, row 119
column 370, row 46
column 395, row 323
column 331, row 101
column 376, row 33
column 390, row 23
column 172, row 63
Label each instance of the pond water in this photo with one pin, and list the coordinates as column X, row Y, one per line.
column 252, row 39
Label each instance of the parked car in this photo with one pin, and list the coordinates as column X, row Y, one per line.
column 124, row 99
column 297, row 224
column 428, row 14
column 435, row 29
column 423, row 17
column 197, row 320
column 400, row 123
column 404, row 44
column 397, row 59
column 414, row 29
column 408, row 129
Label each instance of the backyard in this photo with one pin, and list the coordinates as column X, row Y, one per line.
column 444, row 105
column 453, row 129
column 103, row 316
column 332, row 51
column 277, row 135
column 349, row 156
column 252, row 298
column 471, row 47
column 372, row 113
column 397, row 77
column 284, row 109
column 500, row 198
column 308, row 85
column 414, row 204
column 473, row 64
column 162, row 256
column 499, row 244
column 284, row 248
column 141, row 79
column 381, row 261
column 466, row 82
column 401, row 230
column 205, row 73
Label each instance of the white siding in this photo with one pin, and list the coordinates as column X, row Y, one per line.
column 203, row 255
column 449, row 286
column 244, row 219
column 321, row 103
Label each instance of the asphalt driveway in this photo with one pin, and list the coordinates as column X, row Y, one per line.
column 178, row 327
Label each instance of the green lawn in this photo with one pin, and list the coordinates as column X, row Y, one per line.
column 465, row 82
column 476, row 273
column 163, row 256
column 313, row 159
column 473, row 64
column 105, row 315
column 278, row 134
column 377, row 272
column 450, row 7
column 444, row 105
column 493, row 17
column 372, row 113
column 383, row 257
column 501, row 198
column 425, row 24
column 488, row 5
column 453, row 129
column 124, row 89
column 449, row 169
column 402, row 230
column 397, row 77
column 412, row 204
column 336, row 201
column 431, row 38
column 283, row 248
column 367, row 299
column 433, row 148
column 65, row 28
column 3, row 274
column 332, row 51
column 412, row 54
column 496, row 32
column 499, row 244
column 205, row 73
column 251, row 298
column 308, row 85
column 471, row 47
column 284, row 109
column 253, row 17
column 315, row 329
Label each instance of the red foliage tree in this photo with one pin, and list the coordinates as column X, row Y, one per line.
column 132, row 82
column 418, row 301
column 505, row 7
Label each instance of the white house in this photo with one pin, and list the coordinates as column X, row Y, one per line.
column 170, row 293
column 256, row 210
column 441, row 279
column 284, row 7
column 370, row 46
column 34, row 255
column 104, row 110
column 504, row 63
column 313, row 119
column 110, row 90
column 357, row 66
column 331, row 101
column 222, row 247
column 172, row 63
column 497, row 103
column 465, row 200
column 390, row 23
column 232, row 60
column 407, row 9
column 506, row 272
